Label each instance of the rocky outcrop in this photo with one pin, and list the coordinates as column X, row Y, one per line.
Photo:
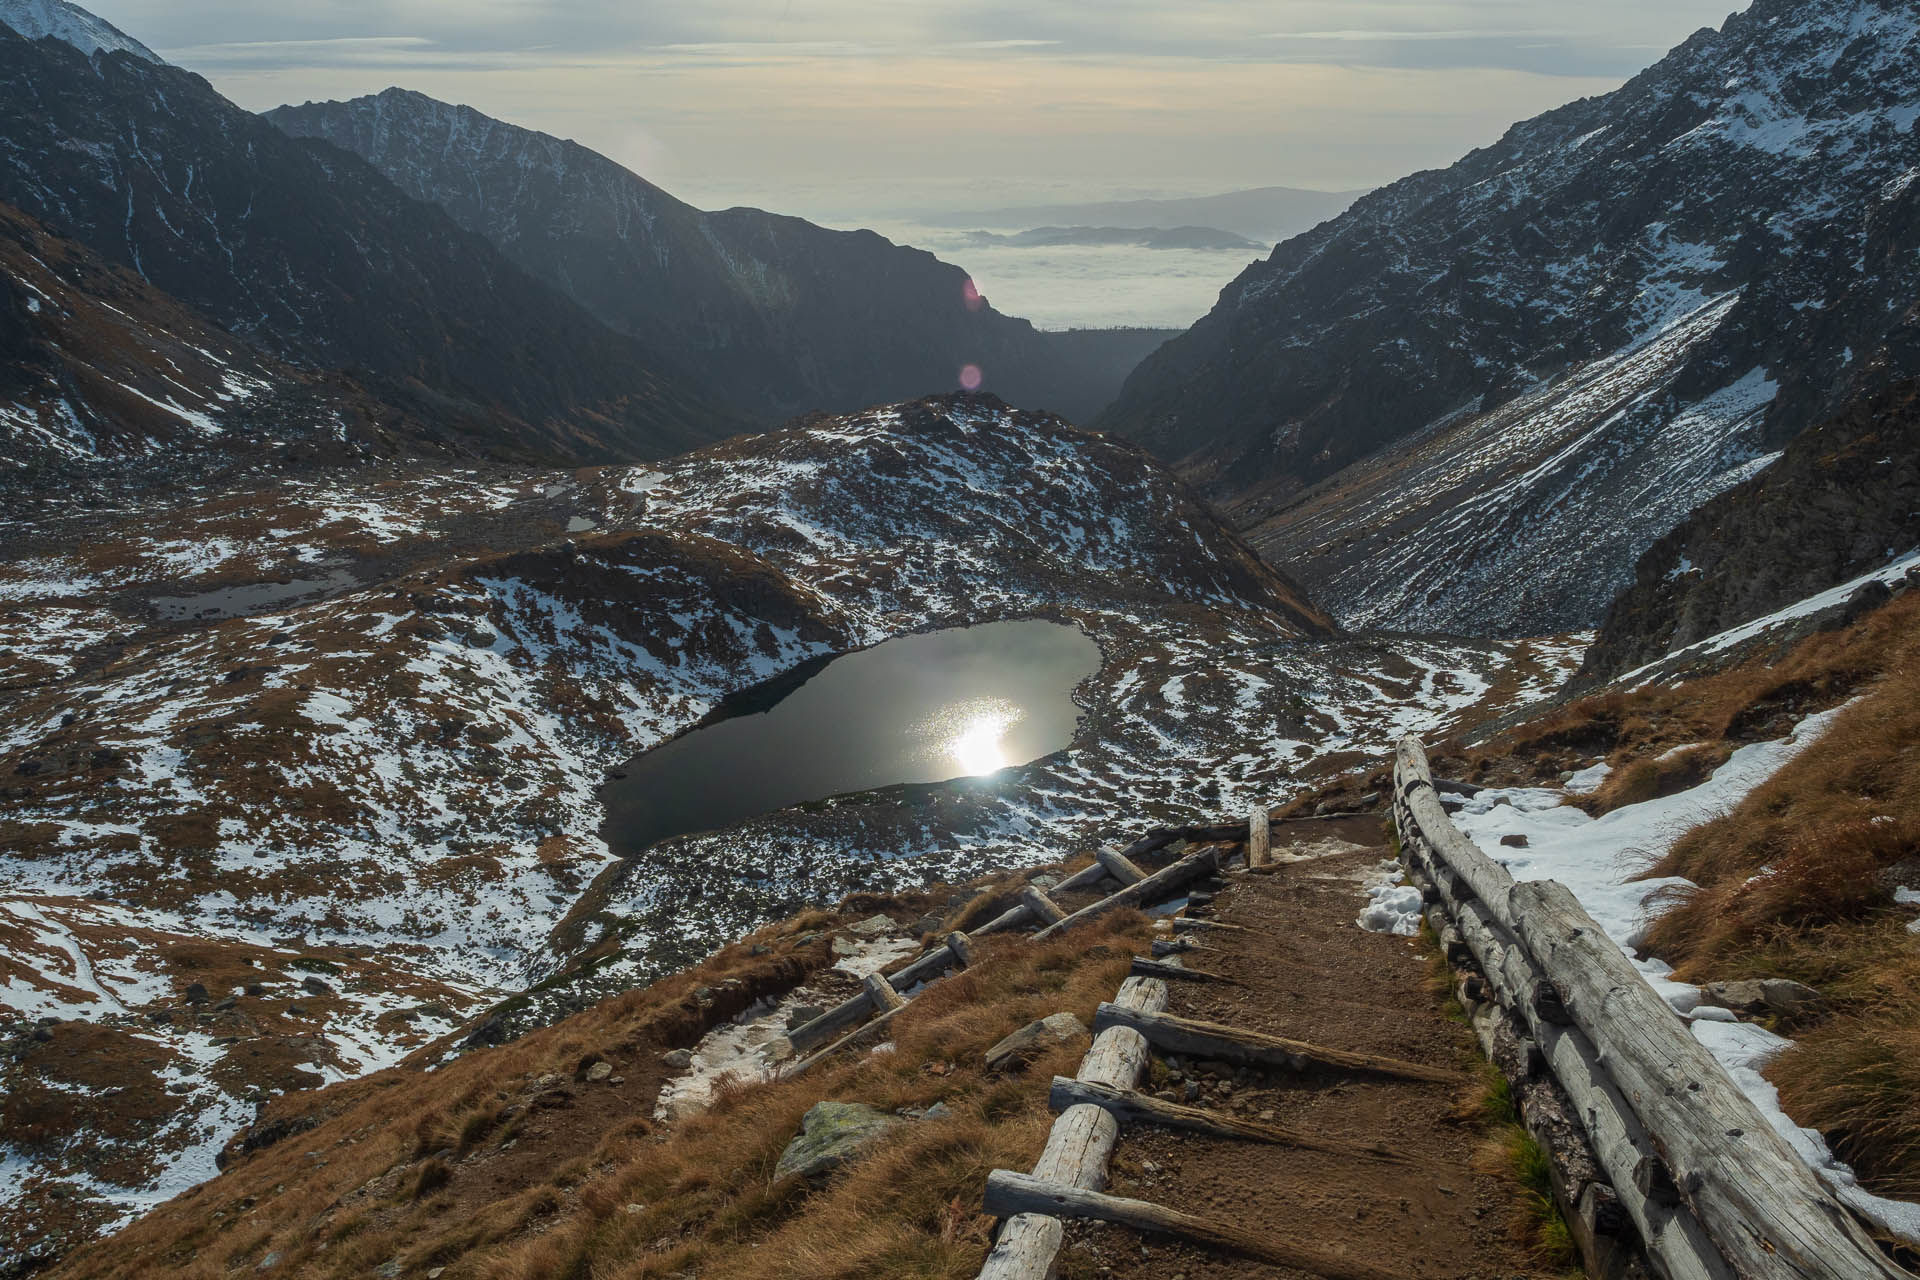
column 1016, row 1050
column 831, row 1134
column 1842, row 497
column 1508, row 377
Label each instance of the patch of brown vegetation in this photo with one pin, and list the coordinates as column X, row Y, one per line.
column 504, row 1164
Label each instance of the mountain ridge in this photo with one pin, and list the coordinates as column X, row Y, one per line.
column 1698, row 202
column 787, row 317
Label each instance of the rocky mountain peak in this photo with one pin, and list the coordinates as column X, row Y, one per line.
column 1646, row 291
column 41, row 19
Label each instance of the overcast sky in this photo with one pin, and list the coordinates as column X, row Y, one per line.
column 822, row 106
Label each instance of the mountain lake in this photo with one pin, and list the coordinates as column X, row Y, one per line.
column 965, row 702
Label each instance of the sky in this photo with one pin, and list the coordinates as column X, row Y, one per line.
column 831, row 108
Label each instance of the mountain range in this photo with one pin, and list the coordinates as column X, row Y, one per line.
column 1473, row 399
column 778, row 314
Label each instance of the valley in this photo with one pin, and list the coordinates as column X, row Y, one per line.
column 516, row 691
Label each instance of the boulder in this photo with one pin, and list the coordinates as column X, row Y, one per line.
column 1034, row 1039
column 599, row 1071
column 872, row 927
column 1780, row 997
column 677, row 1059
column 831, row 1134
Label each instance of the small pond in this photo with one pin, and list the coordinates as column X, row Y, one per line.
column 251, row 598
column 952, row 704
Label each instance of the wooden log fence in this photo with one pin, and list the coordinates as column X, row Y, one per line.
column 1655, row 1132
column 881, row 996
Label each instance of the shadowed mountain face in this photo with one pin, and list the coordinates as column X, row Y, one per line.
column 780, row 315
column 314, row 256
column 1842, row 499
column 1562, row 343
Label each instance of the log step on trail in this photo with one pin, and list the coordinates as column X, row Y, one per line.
column 1171, row 1033
column 1010, row 1193
column 1144, row 968
column 1131, row 1105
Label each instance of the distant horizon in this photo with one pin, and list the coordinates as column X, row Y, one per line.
column 856, row 109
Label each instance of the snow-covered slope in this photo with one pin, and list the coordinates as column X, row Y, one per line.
column 352, row 728
column 38, row 19
column 1647, row 291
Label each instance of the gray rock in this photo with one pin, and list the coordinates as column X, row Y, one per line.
column 196, row 993
column 1781, row 997
column 1044, row 882
column 801, row 1014
column 314, row 986
column 481, row 638
column 599, row 1071
column 677, row 1060
column 831, row 1134
column 1514, row 840
column 872, row 927
column 220, row 1006
column 938, row 1111
column 1034, row 1039
column 844, row 946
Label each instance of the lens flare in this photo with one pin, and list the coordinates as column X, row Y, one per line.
column 970, row 377
column 971, row 734
column 970, row 296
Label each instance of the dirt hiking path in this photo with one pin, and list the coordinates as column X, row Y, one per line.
column 1309, row 972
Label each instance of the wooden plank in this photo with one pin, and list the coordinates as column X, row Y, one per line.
column 1131, row 1105
column 1259, row 836
column 1120, row 867
column 1157, row 885
column 1174, row 1034
column 1144, row 968
column 1043, row 908
column 1756, row 1199
column 1018, row 1193
column 881, row 992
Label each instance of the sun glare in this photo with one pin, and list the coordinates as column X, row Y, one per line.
column 972, row 734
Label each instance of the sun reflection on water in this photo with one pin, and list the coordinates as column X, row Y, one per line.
column 971, row 733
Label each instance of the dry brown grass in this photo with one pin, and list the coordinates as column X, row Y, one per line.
column 1796, row 882
column 405, row 1166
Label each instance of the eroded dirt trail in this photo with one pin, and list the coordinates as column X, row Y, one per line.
column 1307, row 972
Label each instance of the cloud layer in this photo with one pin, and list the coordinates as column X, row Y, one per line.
column 829, row 105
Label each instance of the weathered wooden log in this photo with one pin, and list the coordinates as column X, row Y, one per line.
column 1170, row 1033
column 1175, row 946
column 962, row 950
column 1120, row 867
column 880, row 991
column 1182, row 924
column 1018, row 1193
column 1675, row 1241
column 1144, row 968
column 1043, row 908
column 1756, row 1200
column 1158, row 884
column 1259, row 836
column 1018, row 914
column 865, row 1033
column 925, row 967
column 831, row 1023
column 1085, row 878
column 1132, row 1105
column 1755, row 1196
column 1080, row 1143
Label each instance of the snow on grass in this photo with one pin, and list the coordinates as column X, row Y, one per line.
column 1895, row 568
column 1595, row 858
